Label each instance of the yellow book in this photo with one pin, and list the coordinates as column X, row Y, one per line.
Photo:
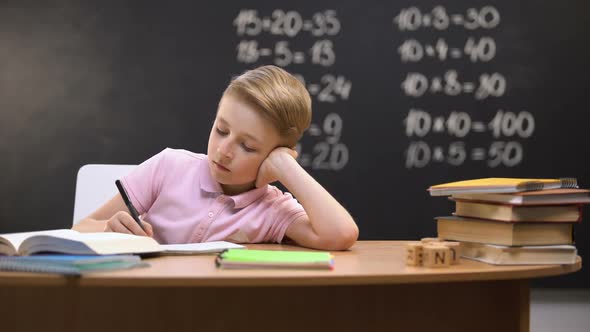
column 500, row 185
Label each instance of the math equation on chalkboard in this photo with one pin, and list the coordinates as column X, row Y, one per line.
column 294, row 41
column 449, row 121
column 451, row 75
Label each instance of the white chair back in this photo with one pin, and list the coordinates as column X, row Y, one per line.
column 95, row 185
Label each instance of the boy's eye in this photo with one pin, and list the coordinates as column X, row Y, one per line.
column 221, row 132
column 248, row 149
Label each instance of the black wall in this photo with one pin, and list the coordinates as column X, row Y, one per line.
column 406, row 95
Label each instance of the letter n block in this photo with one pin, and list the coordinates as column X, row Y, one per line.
column 436, row 256
column 455, row 251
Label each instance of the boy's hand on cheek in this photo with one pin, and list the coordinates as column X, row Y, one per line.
column 271, row 167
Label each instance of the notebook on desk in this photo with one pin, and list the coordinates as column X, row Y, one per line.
column 199, row 248
column 500, row 185
column 69, row 264
column 267, row 259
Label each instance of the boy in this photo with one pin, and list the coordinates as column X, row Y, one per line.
column 225, row 195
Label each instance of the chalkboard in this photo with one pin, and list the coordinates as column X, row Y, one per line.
column 405, row 94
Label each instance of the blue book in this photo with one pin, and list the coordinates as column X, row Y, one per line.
column 69, row 264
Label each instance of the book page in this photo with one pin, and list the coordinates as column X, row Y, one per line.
column 104, row 243
column 195, row 248
column 101, row 243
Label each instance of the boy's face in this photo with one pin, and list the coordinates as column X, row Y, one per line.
column 239, row 142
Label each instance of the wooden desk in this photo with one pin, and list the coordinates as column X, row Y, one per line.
column 370, row 289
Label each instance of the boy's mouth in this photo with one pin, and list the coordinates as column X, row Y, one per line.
column 221, row 167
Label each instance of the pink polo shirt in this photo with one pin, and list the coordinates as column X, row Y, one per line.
column 175, row 193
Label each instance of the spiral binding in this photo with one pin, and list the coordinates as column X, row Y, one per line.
column 533, row 186
column 569, row 182
column 16, row 266
column 564, row 183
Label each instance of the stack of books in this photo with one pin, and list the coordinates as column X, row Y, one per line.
column 508, row 221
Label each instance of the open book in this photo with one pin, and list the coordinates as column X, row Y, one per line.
column 67, row 241
column 199, row 248
column 500, row 185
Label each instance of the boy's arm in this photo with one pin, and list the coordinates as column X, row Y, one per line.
column 113, row 217
column 97, row 220
column 328, row 225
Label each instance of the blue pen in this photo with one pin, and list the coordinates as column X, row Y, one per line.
column 127, row 201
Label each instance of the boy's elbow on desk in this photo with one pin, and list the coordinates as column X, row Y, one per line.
column 341, row 240
column 350, row 239
column 340, row 243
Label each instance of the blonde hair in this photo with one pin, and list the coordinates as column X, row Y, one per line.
column 278, row 96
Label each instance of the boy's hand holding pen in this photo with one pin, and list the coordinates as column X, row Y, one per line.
column 131, row 223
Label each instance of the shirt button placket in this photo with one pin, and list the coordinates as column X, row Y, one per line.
column 211, row 214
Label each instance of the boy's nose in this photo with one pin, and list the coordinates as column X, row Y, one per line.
column 225, row 150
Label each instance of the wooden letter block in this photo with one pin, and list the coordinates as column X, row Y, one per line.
column 426, row 240
column 455, row 250
column 436, row 256
column 414, row 254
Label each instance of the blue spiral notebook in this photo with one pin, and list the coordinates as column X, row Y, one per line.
column 69, row 264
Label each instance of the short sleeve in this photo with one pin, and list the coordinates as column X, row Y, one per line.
column 144, row 182
column 284, row 211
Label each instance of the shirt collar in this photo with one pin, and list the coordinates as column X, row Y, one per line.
column 209, row 184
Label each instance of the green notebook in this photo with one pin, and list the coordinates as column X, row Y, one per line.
column 244, row 259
